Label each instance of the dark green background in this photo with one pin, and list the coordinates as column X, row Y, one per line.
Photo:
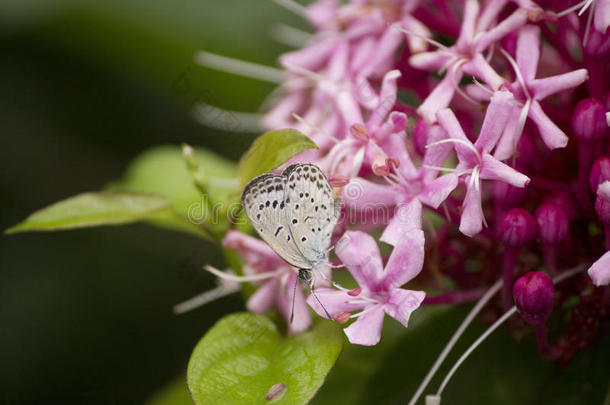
column 85, row 316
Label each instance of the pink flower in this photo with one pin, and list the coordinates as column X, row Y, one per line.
column 478, row 32
column 379, row 291
column 475, row 161
column 528, row 91
column 273, row 276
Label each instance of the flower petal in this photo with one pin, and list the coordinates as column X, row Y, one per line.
column 406, row 218
column 302, row 319
column 440, row 97
column 603, row 190
column 449, row 122
column 253, row 251
column 434, row 193
column 360, row 254
column 493, row 169
column 551, row 135
column 602, row 15
column 366, row 331
column 528, row 51
column 542, row 88
column 362, row 195
column 263, row 297
column 600, row 270
column 406, row 260
column 471, row 221
column 402, row 303
column 496, row 117
column 334, row 301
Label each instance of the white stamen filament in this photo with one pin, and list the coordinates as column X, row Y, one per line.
column 364, row 311
column 204, row 298
column 503, row 318
column 423, row 38
column 456, row 335
column 239, row 67
column 585, row 7
column 515, row 66
column 292, row 6
column 575, row 7
column 439, row 168
column 464, row 142
column 287, row 35
column 480, row 85
column 227, row 120
column 588, row 26
column 232, row 277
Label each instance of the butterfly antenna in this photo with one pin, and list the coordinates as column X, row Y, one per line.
column 319, row 302
column 294, row 294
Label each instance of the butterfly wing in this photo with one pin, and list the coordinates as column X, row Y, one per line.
column 312, row 209
column 263, row 202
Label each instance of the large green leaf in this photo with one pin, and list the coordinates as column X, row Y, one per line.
column 93, row 209
column 163, row 170
column 270, row 150
column 244, row 355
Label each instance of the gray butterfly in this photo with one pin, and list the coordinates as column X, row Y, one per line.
column 295, row 213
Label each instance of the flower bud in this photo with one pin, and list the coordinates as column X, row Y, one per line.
column 517, row 227
column 600, row 172
column 553, row 223
column 564, row 201
column 602, row 207
column 589, row 119
column 534, row 295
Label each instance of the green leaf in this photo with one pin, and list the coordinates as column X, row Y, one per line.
column 244, row 355
column 93, row 209
column 270, row 150
column 163, row 170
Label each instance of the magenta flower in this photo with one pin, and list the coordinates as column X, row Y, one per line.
column 475, row 161
column 379, row 292
column 528, row 91
column 273, row 276
column 478, row 32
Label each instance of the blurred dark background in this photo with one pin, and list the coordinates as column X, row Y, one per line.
column 85, row 316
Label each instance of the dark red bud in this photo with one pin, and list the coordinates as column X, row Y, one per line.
column 553, row 223
column 517, row 227
column 589, row 119
column 534, row 295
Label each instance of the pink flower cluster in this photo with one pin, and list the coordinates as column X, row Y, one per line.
column 490, row 118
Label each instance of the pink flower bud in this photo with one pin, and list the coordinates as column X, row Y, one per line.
column 534, row 295
column 553, row 223
column 600, row 172
column 359, row 131
column 564, row 201
column 341, row 317
column 589, row 119
column 602, row 207
column 517, row 227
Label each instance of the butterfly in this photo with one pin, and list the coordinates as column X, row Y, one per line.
column 295, row 213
